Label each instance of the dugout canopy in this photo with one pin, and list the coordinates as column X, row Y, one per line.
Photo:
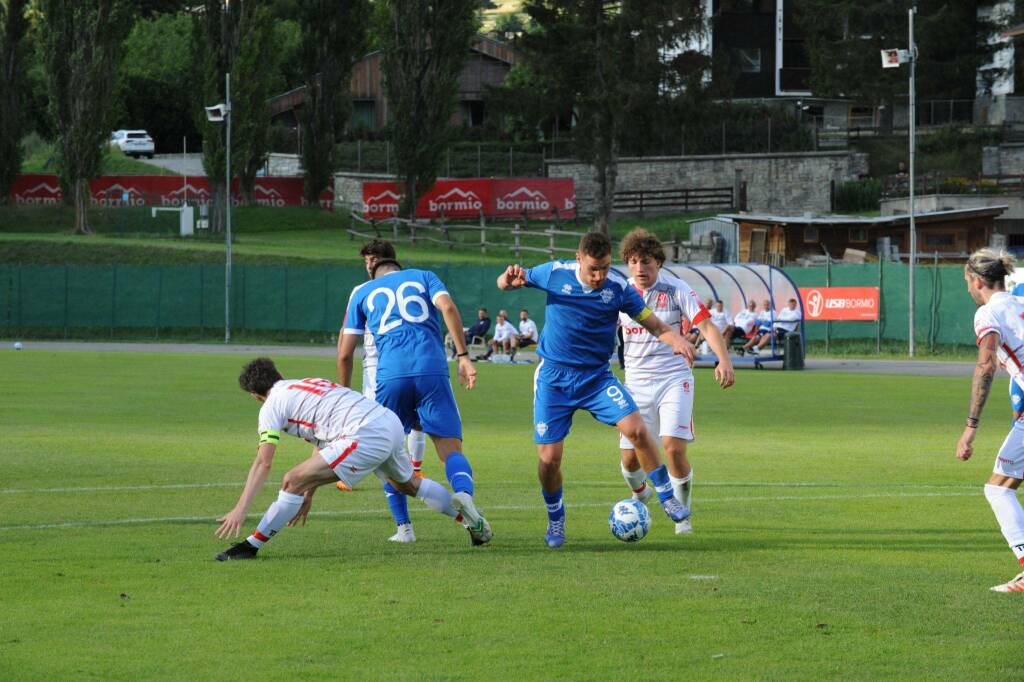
column 735, row 284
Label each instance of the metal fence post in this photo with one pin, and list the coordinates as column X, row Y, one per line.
column 515, row 241
column 551, row 243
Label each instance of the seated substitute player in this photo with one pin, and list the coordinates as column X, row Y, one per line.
column 999, row 326
column 788, row 320
column 416, row 442
column 584, row 299
column 744, row 324
column 660, row 381
column 762, row 329
column 504, row 337
column 723, row 323
column 399, row 307
column 528, row 334
column 352, row 437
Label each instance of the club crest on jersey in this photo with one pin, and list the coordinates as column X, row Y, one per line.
column 542, row 428
column 567, row 289
column 686, row 387
column 662, row 301
column 607, row 295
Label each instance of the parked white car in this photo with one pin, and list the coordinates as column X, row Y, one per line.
column 133, row 142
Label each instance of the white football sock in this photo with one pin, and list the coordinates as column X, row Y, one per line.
column 636, row 480
column 1010, row 515
column 437, row 497
column 416, row 445
column 276, row 517
column 682, row 488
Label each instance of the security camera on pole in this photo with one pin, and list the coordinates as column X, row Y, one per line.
column 892, row 59
column 219, row 113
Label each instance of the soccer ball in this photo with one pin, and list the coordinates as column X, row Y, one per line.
column 629, row 520
column 17, row 345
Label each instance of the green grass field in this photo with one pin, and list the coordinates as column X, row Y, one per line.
column 836, row 535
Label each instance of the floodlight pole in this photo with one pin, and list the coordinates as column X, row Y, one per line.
column 913, row 131
column 227, row 211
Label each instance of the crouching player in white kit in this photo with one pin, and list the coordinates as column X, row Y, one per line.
column 999, row 326
column 352, row 436
column 661, row 382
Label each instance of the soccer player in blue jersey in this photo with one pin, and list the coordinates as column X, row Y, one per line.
column 584, row 298
column 399, row 307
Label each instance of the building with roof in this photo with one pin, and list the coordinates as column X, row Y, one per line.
column 780, row 240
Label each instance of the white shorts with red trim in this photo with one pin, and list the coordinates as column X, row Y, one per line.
column 1010, row 459
column 665, row 403
column 378, row 447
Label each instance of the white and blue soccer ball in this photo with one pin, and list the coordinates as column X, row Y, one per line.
column 629, row 520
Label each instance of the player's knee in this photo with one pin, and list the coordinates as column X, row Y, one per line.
column 293, row 482
column 410, row 487
column 636, row 433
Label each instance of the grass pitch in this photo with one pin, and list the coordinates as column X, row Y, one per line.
column 836, row 535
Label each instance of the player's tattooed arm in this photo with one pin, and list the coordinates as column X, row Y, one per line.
column 981, row 385
column 514, row 277
column 346, row 352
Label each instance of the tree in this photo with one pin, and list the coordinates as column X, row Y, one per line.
column 611, row 63
column 251, row 72
column 13, row 26
column 332, row 35
column 425, row 47
column 845, row 38
column 82, row 45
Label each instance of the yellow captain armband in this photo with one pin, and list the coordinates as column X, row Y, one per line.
column 269, row 436
column 644, row 314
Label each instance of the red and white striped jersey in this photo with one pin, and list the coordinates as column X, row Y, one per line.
column 1004, row 315
column 678, row 306
column 316, row 410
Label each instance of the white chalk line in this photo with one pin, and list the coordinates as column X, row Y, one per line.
column 532, row 507
column 609, row 484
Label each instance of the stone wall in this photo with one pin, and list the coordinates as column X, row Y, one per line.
column 284, row 164
column 1006, row 159
column 776, row 183
column 348, row 189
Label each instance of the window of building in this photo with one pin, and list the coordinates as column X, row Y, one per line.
column 810, row 234
column 748, row 59
column 939, row 240
column 858, row 235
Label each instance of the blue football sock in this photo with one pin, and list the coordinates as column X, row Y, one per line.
column 662, row 484
column 399, row 504
column 556, row 510
column 459, row 473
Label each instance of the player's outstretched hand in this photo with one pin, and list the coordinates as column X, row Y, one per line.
column 964, row 447
column 467, row 373
column 230, row 524
column 725, row 375
column 300, row 517
column 515, row 276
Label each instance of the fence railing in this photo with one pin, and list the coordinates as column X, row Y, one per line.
column 685, row 199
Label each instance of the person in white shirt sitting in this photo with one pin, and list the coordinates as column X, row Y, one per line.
column 723, row 322
column 787, row 320
column 744, row 324
column 504, row 337
column 528, row 334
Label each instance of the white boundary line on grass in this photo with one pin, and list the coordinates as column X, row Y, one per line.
column 532, row 507
column 609, row 484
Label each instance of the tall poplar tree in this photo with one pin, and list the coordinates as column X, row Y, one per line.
column 13, row 26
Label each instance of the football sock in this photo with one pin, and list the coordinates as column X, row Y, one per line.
column 682, row 488
column 662, row 484
column 416, row 444
column 556, row 510
column 636, row 480
column 459, row 473
column 399, row 504
column 437, row 497
column 277, row 515
column 1010, row 516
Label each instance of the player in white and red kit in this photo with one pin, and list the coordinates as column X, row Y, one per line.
column 999, row 326
column 352, row 437
column 416, row 442
column 660, row 381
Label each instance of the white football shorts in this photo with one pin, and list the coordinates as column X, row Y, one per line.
column 370, row 382
column 665, row 403
column 378, row 447
column 1010, row 459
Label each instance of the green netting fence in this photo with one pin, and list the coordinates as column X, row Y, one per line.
column 129, row 301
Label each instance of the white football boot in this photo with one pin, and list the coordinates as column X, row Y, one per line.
column 403, row 534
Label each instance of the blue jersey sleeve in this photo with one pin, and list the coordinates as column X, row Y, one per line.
column 537, row 277
column 435, row 287
column 355, row 317
column 631, row 302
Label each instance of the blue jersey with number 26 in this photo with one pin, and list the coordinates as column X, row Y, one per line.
column 398, row 309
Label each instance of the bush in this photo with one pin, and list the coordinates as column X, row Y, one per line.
column 859, row 195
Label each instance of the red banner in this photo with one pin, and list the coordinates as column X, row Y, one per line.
column 840, row 303
column 162, row 190
column 536, row 197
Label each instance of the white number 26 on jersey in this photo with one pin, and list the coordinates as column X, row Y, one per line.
column 402, row 301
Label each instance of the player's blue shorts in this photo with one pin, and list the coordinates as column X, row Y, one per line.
column 558, row 391
column 423, row 402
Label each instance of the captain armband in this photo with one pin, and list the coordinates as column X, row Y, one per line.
column 270, row 436
column 644, row 314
